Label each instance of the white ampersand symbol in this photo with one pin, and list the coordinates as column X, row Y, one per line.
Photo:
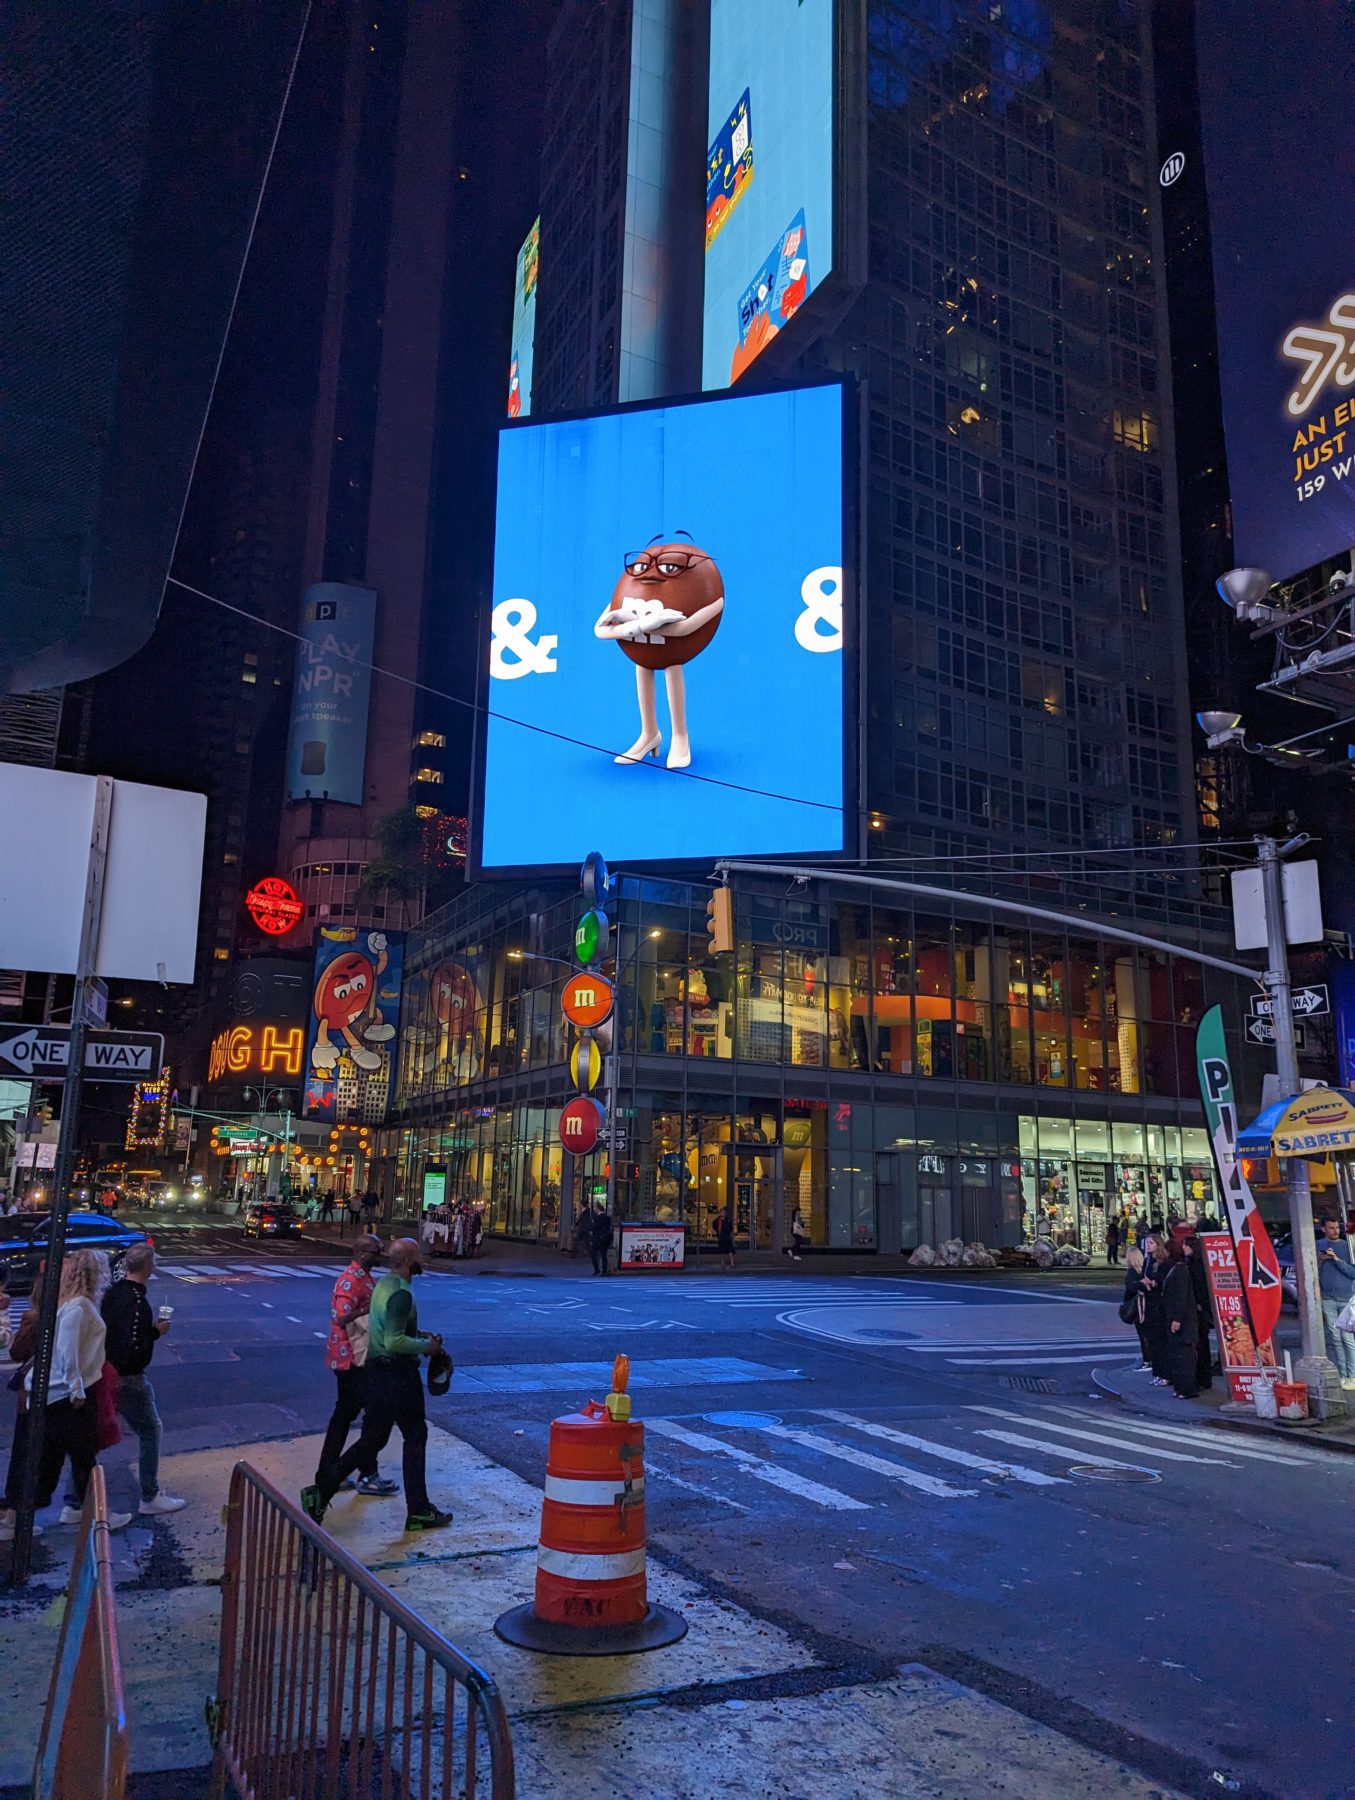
column 821, row 593
column 511, row 624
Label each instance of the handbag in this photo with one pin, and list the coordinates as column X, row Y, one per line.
column 1345, row 1319
column 1129, row 1310
column 107, row 1431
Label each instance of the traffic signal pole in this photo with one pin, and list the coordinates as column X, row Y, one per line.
column 21, row 1555
column 1326, row 1397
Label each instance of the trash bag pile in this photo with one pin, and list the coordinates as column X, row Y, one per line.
column 953, row 1254
column 1049, row 1255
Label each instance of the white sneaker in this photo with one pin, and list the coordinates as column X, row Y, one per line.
column 70, row 1515
column 116, row 1521
column 162, row 1503
column 1348, row 1381
column 7, row 1530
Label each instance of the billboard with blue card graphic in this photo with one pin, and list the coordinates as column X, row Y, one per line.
column 769, row 174
column 668, row 635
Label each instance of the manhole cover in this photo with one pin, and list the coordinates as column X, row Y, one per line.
column 1030, row 1384
column 1099, row 1472
column 743, row 1421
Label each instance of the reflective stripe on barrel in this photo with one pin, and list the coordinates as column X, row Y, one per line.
column 590, row 1567
column 571, row 1492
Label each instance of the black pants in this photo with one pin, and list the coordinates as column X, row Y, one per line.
column 14, row 1480
column 348, row 1404
column 1180, row 1364
column 1204, row 1360
column 393, row 1395
column 600, row 1258
column 69, row 1431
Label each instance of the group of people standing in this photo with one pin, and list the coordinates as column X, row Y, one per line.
column 105, row 1338
column 1166, row 1299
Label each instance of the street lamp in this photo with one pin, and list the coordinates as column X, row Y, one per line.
column 286, row 1111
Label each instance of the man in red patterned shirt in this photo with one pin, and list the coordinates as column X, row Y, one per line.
column 345, row 1353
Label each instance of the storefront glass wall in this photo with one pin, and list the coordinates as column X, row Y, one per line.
column 869, row 1024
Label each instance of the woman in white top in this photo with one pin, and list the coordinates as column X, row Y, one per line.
column 69, row 1425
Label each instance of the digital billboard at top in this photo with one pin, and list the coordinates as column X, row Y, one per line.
column 769, row 174
column 523, row 352
column 666, row 657
column 1274, row 82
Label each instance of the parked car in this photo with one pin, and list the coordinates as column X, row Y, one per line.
column 24, row 1238
column 271, row 1218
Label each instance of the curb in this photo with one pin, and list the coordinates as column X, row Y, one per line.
column 1317, row 1439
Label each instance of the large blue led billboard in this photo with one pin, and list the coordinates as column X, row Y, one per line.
column 1274, row 85
column 667, row 635
column 769, row 174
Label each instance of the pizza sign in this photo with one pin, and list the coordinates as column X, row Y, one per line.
column 1245, row 1361
column 275, row 906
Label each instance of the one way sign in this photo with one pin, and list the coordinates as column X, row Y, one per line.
column 40, row 1052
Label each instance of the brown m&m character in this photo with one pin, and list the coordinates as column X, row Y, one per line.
column 663, row 612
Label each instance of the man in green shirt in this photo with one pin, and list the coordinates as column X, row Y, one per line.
column 393, row 1394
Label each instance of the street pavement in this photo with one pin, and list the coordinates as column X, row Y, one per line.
column 886, row 1472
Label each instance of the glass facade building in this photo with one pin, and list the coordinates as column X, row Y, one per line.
column 898, row 1073
column 895, row 1076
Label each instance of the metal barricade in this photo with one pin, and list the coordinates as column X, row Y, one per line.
column 328, row 1685
column 83, row 1745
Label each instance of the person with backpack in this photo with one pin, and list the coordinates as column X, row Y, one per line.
column 345, row 1356
column 132, row 1334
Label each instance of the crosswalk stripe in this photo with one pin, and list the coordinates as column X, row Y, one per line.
column 878, row 1465
column 1017, row 1345
column 1068, row 1452
column 887, row 1433
column 772, row 1473
column 1095, row 1437
column 1202, row 1435
column 1024, row 1362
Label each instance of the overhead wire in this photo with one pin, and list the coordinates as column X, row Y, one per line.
column 987, row 857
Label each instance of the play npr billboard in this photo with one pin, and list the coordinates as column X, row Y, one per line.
column 769, row 174
column 1274, row 116
column 327, row 744
column 669, row 635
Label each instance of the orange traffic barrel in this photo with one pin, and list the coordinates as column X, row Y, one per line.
column 591, row 1596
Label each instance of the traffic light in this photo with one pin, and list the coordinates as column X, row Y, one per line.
column 720, row 920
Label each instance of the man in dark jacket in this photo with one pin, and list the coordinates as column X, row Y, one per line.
column 1204, row 1314
column 133, row 1333
column 601, row 1239
column 1182, row 1337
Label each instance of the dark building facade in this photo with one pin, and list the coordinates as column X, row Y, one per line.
column 893, row 1070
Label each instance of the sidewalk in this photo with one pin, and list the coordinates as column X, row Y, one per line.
column 742, row 1707
column 1215, row 1407
column 511, row 1256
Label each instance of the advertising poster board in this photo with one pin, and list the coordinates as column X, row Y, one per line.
column 1244, row 1361
column 327, row 745
column 671, row 635
column 769, row 174
column 651, row 1249
column 354, row 1019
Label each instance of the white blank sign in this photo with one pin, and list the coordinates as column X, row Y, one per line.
column 152, row 879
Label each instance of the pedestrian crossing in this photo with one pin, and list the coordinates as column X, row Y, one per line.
column 831, row 1460
column 265, row 1269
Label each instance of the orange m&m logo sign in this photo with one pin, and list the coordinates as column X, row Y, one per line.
column 586, row 1000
